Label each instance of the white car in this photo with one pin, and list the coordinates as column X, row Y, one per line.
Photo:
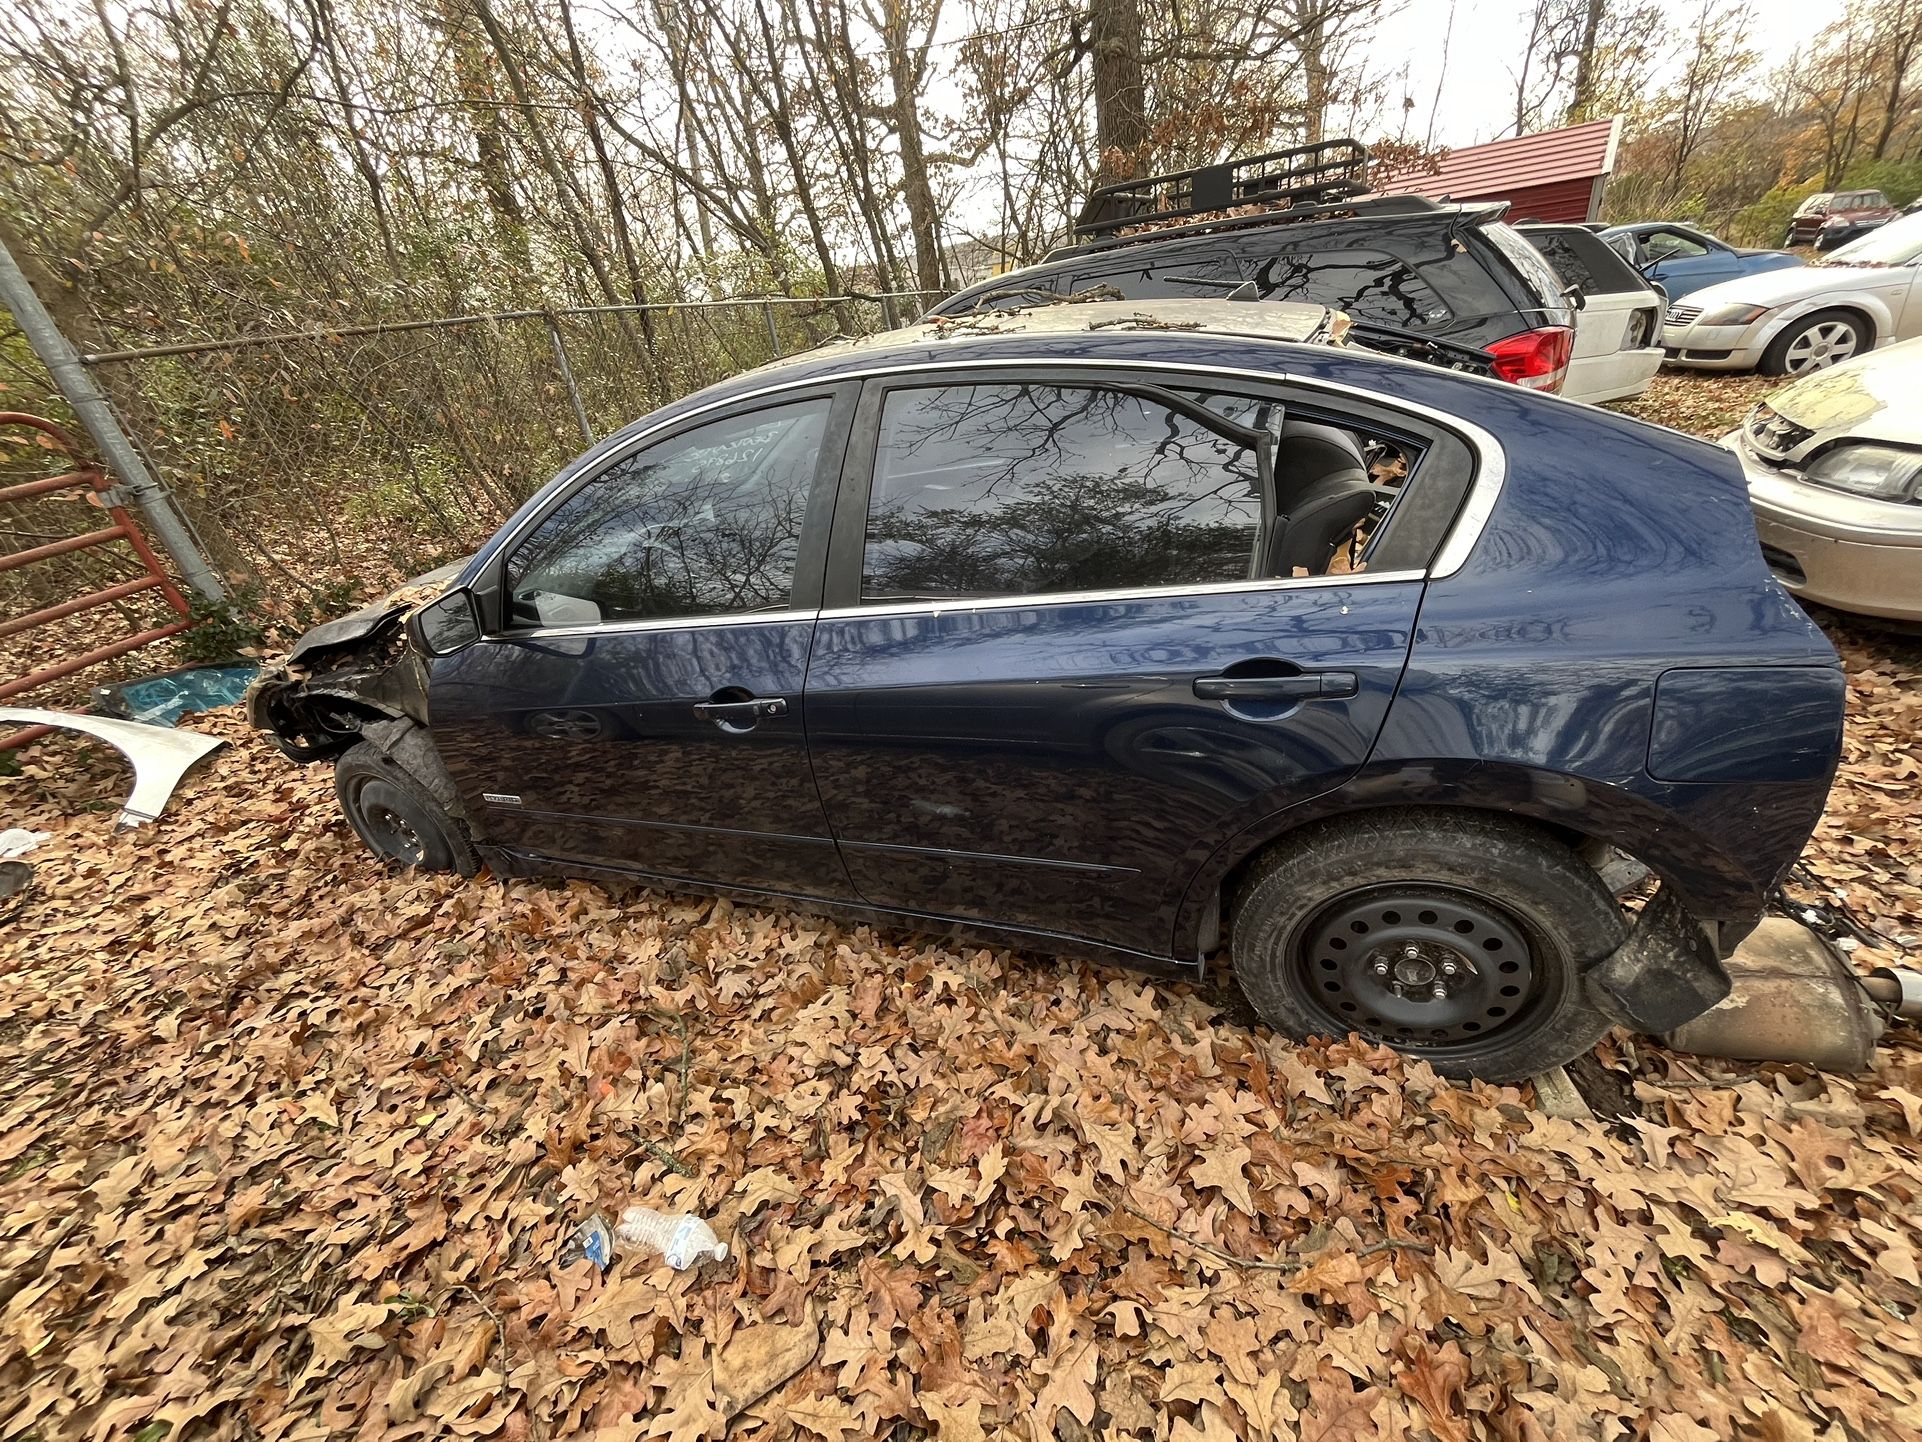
column 1834, row 465
column 1614, row 355
column 1788, row 322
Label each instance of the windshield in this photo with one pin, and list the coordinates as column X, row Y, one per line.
column 1897, row 243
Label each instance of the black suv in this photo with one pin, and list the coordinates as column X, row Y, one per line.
column 1401, row 266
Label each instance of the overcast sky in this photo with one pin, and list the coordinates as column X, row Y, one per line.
column 1477, row 83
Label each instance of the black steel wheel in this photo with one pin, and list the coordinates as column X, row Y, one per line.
column 396, row 816
column 384, row 811
column 1428, row 969
column 1459, row 938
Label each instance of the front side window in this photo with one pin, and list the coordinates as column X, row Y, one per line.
column 705, row 524
column 1033, row 489
column 1673, row 245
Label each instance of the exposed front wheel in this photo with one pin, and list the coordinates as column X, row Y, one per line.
column 1458, row 938
column 396, row 816
column 1815, row 342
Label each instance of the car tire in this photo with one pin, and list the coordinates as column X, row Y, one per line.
column 1514, row 917
column 396, row 816
column 1815, row 342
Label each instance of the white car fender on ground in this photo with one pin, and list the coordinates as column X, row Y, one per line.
column 160, row 755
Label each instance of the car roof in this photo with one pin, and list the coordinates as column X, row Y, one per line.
column 1254, row 319
column 1059, row 327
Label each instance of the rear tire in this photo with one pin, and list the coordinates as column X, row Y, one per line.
column 396, row 816
column 1458, row 938
column 1816, row 342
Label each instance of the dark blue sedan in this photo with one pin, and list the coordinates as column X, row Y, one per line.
column 1682, row 259
column 1133, row 636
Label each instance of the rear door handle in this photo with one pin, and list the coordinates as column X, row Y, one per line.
column 1314, row 686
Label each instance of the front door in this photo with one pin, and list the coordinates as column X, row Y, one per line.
column 642, row 705
column 1079, row 634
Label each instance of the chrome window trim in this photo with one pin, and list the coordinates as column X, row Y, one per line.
column 1491, row 471
column 1026, row 601
column 656, row 623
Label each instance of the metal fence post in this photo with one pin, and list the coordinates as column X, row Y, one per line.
column 773, row 335
column 567, row 375
column 63, row 363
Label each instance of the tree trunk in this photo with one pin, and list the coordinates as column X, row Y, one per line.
column 1904, row 18
column 1311, row 41
column 1584, row 94
column 905, row 71
column 1120, row 88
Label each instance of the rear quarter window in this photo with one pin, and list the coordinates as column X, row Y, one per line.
column 1370, row 285
column 1198, row 275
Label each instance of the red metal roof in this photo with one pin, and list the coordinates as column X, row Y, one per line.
column 1502, row 167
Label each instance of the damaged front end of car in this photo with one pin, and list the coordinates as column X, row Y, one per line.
column 347, row 675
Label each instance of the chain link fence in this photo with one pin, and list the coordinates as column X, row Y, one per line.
column 321, row 466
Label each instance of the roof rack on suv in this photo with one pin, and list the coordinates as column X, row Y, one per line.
column 1317, row 174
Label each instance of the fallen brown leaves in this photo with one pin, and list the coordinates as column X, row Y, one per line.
column 290, row 1146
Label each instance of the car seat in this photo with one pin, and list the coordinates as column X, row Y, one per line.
column 1322, row 492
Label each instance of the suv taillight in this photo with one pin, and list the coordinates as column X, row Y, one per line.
column 1537, row 359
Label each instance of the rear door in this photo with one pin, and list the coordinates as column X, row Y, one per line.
column 1616, row 329
column 1080, row 629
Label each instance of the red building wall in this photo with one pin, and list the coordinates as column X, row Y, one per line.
column 1565, row 200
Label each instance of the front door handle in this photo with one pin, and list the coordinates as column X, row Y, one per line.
column 741, row 714
column 1314, row 686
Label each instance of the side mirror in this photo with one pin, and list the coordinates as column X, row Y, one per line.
column 1573, row 295
column 448, row 625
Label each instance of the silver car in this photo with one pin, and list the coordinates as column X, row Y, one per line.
column 1834, row 463
column 1790, row 322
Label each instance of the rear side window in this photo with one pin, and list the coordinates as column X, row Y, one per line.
column 1209, row 275
column 1371, row 285
column 1033, row 489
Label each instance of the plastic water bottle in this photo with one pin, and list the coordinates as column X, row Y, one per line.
column 682, row 1239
